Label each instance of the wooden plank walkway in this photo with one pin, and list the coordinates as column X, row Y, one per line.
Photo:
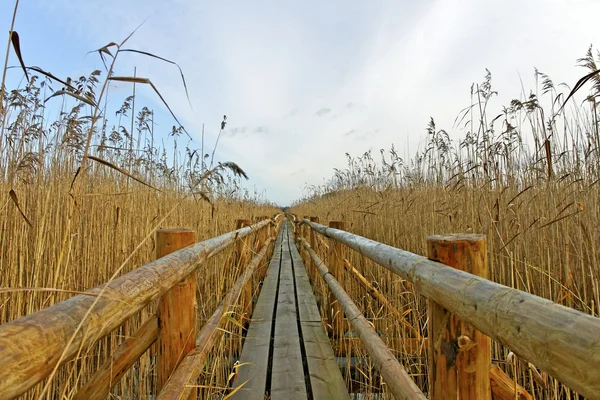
column 286, row 353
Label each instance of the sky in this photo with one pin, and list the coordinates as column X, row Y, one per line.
column 304, row 82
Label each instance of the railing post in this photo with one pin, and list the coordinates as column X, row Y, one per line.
column 176, row 308
column 304, row 232
column 262, row 236
column 335, row 262
column 460, row 356
column 240, row 260
column 313, row 245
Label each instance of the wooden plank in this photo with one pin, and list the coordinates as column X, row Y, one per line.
column 307, row 305
column 252, row 376
column 325, row 377
column 287, row 376
column 255, row 352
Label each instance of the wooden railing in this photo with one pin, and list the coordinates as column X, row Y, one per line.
column 465, row 312
column 32, row 347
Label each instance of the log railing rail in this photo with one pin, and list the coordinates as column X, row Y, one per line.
column 31, row 347
column 562, row 341
column 400, row 384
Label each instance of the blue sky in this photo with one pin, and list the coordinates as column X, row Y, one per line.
column 303, row 82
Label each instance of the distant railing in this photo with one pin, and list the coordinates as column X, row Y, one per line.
column 465, row 311
column 32, row 347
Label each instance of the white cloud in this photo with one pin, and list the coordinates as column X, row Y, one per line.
column 296, row 78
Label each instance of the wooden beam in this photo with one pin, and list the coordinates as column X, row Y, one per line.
column 113, row 369
column 251, row 377
column 512, row 317
column 312, row 269
column 460, row 357
column 176, row 309
column 395, row 376
column 399, row 346
column 504, row 388
column 184, row 377
column 241, row 251
column 32, row 346
column 376, row 294
column 335, row 263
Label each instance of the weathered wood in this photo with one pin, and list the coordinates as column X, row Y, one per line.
column 326, row 380
column 180, row 384
column 394, row 375
column 307, row 305
column 176, row 309
column 398, row 346
column 335, row 262
column 325, row 376
column 287, row 376
column 313, row 243
column 56, row 334
column 504, row 388
column 381, row 298
column 113, row 369
column 252, row 374
column 304, row 229
column 560, row 340
column 241, row 250
column 460, row 357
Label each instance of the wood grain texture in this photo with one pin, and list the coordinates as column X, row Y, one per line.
column 113, row 369
column 324, row 374
column 56, row 334
column 335, row 263
column 325, row 377
column 307, row 305
column 376, row 294
column 177, row 309
column 394, row 375
column 287, row 376
column 255, row 352
column 460, row 356
column 560, row 340
column 504, row 388
column 181, row 381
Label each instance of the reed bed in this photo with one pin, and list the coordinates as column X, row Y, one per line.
column 82, row 191
column 528, row 179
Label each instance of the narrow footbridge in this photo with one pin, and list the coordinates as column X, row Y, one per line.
column 293, row 288
column 287, row 347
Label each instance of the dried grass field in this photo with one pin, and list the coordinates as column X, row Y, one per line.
column 82, row 192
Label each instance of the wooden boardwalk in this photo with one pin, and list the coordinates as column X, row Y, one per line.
column 287, row 354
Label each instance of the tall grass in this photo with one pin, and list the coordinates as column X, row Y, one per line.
column 80, row 192
column 528, row 177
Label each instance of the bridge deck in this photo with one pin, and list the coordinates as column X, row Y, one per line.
column 287, row 354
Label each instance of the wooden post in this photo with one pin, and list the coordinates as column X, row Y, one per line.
column 460, row 356
column 240, row 260
column 176, row 308
column 262, row 236
column 335, row 263
column 305, row 229
column 313, row 245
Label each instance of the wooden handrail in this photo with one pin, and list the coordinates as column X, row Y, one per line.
column 560, row 340
column 181, row 382
column 31, row 347
column 395, row 376
column 376, row 294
